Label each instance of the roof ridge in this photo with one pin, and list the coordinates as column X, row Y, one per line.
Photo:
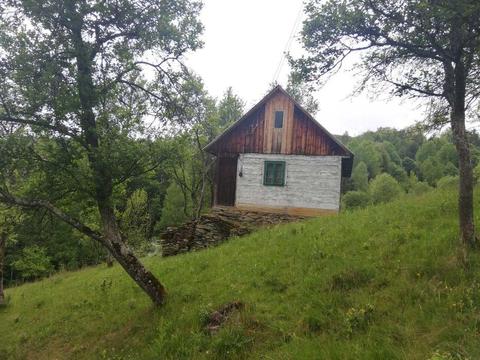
column 278, row 87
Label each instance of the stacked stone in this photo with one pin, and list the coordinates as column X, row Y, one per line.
column 215, row 227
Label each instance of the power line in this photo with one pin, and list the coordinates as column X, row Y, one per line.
column 288, row 45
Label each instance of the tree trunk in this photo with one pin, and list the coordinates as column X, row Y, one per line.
column 456, row 90
column 100, row 166
column 125, row 257
column 3, row 244
column 465, row 195
column 109, row 260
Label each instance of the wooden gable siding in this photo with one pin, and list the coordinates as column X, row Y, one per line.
column 310, row 139
column 247, row 137
column 300, row 135
column 278, row 141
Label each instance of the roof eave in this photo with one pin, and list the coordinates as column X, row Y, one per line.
column 209, row 146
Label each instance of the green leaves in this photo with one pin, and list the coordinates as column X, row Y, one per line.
column 33, row 264
column 85, row 87
column 404, row 44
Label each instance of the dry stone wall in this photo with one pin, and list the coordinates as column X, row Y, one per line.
column 215, row 227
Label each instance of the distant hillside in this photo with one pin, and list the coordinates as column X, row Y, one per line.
column 379, row 283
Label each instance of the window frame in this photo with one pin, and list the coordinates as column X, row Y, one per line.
column 275, row 119
column 275, row 163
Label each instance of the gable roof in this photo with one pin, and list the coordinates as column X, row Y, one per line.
column 275, row 90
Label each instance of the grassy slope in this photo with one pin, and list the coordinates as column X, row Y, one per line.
column 381, row 283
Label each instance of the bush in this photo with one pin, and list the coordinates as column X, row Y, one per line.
column 409, row 165
column 476, row 174
column 398, row 173
column 173, row 208
column 136, row 221
column 360, row 177
column 33, row 263
column 355, row 199
column 384, row 188
column 447, row 182
column 450, row 169
column 431, row 170
column 420, row 188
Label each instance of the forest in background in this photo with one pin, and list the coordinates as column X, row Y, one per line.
column 178, row 187
column 390, row 162
column 102, row 125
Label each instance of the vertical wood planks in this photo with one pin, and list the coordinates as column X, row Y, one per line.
column 300, row 135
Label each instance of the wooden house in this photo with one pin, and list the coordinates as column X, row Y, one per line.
column 278, row 158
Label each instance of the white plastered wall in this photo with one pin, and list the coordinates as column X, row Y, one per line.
column 310, row 182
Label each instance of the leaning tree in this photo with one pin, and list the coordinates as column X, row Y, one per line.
column 417, row 48
column 84, row 81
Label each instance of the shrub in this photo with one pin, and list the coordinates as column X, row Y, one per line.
column 447, row 182
column 355, row 199
column 420, row 188
column 384, row 188
column 450, row 169
column 173, row 208
column 409, row 165
column 360, row 176
column 33, row 263
column 476, row 173
column 398, row 173
column 136, row 221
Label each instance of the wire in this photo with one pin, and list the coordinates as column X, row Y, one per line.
column 288, row 45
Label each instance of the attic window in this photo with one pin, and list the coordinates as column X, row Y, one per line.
column 278, row 119
column 274, row 173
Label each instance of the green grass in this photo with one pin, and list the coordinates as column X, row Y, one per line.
column 380, row 283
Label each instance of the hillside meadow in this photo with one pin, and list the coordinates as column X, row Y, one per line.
column 378, row 283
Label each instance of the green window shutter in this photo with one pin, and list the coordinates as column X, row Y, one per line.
column 280, row 174
column 274, row 173
column 269, row 173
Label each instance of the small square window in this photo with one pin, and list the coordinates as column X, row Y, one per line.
column 274, row 173
column 278, row 119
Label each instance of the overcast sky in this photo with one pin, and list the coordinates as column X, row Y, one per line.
column 244, row 42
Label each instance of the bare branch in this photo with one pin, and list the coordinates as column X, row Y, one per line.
column 407, row 87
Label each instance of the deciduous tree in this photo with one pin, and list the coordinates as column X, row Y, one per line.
column 417, row 48
column 3, row 245
column 72, row 72
column 230, row 108
column 302, row 92
column 360, row 176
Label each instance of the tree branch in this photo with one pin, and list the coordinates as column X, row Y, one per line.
column 10, row 199
column 40, row 123
column 407, row 87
